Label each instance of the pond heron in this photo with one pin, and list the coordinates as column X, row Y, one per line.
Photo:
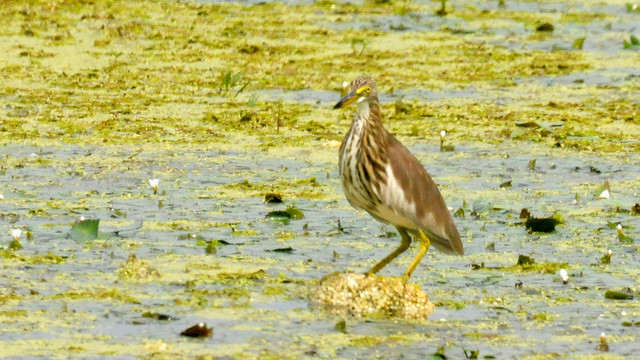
column 379, row 175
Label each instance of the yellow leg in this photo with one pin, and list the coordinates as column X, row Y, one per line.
column 404, row 245
column 424, row 246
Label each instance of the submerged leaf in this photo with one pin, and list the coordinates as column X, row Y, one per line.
column 578, row 43
column 624, row 294
column 212, row 247
column 518, row 132
column 279, row 216
column 480, row 206
column 524, row 260
column 527, row 124
column 341, row 326
column 85, row 230
column 157, row 316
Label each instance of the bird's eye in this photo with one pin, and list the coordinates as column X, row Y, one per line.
column 367, row 89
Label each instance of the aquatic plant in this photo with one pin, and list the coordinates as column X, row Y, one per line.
column 232, row 84
column 16, row 234
column 154, row 184
column 564, row 276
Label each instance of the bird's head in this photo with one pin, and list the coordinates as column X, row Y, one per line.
column 361, row 89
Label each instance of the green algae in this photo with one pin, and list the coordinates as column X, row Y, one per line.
column 98, row 294
column 137, row 269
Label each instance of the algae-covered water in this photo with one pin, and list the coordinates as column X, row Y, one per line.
column 227, row 102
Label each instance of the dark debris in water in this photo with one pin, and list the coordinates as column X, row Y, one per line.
column 273, row 198
column 545, row 225
column 200, row 330
column 545, row 27
column 506, row 184
column 287, row 249
column 524, row 260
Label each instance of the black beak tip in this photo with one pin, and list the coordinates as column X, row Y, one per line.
column 338, row 105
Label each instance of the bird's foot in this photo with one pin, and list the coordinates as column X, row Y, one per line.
column 370, row 274
column 405, row 278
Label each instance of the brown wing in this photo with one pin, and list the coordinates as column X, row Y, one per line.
column 419, row 199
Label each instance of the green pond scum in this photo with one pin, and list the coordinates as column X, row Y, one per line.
column 229, row 105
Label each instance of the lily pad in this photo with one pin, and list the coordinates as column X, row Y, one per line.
column 295, row 213
column 85, row 230
column 279, row 216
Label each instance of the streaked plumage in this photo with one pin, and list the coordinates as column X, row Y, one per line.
column 380, row 176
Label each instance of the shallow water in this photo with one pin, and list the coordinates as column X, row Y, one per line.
column 495, row 318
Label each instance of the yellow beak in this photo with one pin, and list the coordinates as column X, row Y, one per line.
column 346, row 100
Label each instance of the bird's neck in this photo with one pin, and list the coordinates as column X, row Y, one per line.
column 368, row 115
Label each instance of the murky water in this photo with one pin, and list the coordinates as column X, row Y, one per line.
column 497, row 318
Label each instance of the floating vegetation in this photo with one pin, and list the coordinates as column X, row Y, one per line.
column 283, row 216
column 606, row 258
column 578, row 43
column 621, row 235
column 137, row 269
column 632, row 44
column 157, row 316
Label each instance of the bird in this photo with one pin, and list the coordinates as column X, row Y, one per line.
column 382, row 177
